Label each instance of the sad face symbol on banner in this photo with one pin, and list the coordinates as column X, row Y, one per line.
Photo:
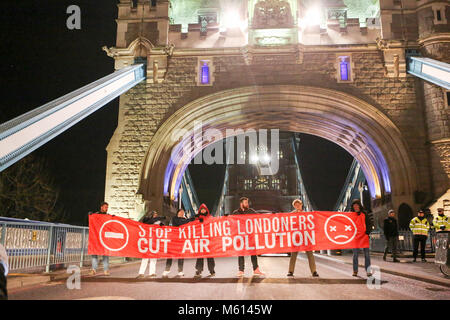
column 340, row 229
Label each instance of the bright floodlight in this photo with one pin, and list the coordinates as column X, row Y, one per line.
column 265, row 158
column 232, row 20
column 312, row 17
column 254, row 158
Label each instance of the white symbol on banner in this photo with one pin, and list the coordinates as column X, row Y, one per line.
column 113, row 235
column 345, row 234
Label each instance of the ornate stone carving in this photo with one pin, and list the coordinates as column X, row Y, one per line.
column 272, row 14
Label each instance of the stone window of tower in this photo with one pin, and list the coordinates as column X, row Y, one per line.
column 439, row 13
column 344, row 68
column 205, row 72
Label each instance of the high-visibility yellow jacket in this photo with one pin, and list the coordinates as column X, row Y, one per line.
column 419, row 227
column 441, row 221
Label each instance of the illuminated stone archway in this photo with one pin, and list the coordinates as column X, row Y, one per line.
column 358, row 127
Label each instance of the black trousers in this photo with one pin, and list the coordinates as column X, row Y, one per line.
column 419, row 239
column 211, row 264
column 391, row 245
column 180, row 264
column 3, row 287
column 241, row 262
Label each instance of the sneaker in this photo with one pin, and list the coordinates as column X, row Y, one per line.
column 369, row 274
column 92, row 272
column 258, row 272
column 181, row 274
column 355, row 274
column 396, row 260
column 424, row 260
column 290, row 274
column 106, row 273
column 240, row 273
column 315, row 274
column 198, row 274
column 212, row 274
column 140, row 276
column 165, row 274
column 153, row 275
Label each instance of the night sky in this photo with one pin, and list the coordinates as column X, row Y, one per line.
column 43, row 60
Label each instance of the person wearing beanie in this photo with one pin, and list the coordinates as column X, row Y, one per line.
column 359, row 209
column 202, row 215
column 391, row 234
column 298, row 207
column 244, row 208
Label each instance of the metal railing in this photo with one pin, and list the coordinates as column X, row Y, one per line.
column 405, row 243
column 36, row 245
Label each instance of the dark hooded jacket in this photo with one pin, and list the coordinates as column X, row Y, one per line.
column 150, row 220
column 201, row 217
column 177, row 221
column 370, row 224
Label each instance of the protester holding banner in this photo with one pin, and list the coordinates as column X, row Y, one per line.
column 177, row 221
column 150, row 218
column 245, row 209
column 203, row 215
column 105, row 259
column 298, row 205
column 359, row 209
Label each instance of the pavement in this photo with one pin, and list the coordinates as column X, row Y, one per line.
column 19, row 280
column 397, row 281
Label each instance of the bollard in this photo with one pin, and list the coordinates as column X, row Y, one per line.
column 83, row 241
column 50, row 240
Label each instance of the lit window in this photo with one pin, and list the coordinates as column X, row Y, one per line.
column 280, row 154
column 205, row 73
column 243, row 154
column 344, row 69
column 276, row 184
column 247, row 184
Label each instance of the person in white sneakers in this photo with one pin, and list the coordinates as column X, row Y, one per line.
column 177, row 221
column 245, row 209
column 150, row 218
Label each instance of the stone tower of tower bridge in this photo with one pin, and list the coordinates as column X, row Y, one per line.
column 267, row 64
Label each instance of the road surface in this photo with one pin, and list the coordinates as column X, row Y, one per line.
column 335, row 282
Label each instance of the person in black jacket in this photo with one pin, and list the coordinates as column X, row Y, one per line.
column 150, row 218
column 390, row 228
column 202, row 215
column 245, row 209
column 359, row 209
column 177, row 221
column 105, row 259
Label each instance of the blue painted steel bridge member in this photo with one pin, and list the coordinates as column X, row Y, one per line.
column 202, row 215
column 358, row 208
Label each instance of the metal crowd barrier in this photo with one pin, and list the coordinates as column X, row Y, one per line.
column 405, row 243
column 37, row 245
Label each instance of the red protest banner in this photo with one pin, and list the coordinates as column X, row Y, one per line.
column 235, row 235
